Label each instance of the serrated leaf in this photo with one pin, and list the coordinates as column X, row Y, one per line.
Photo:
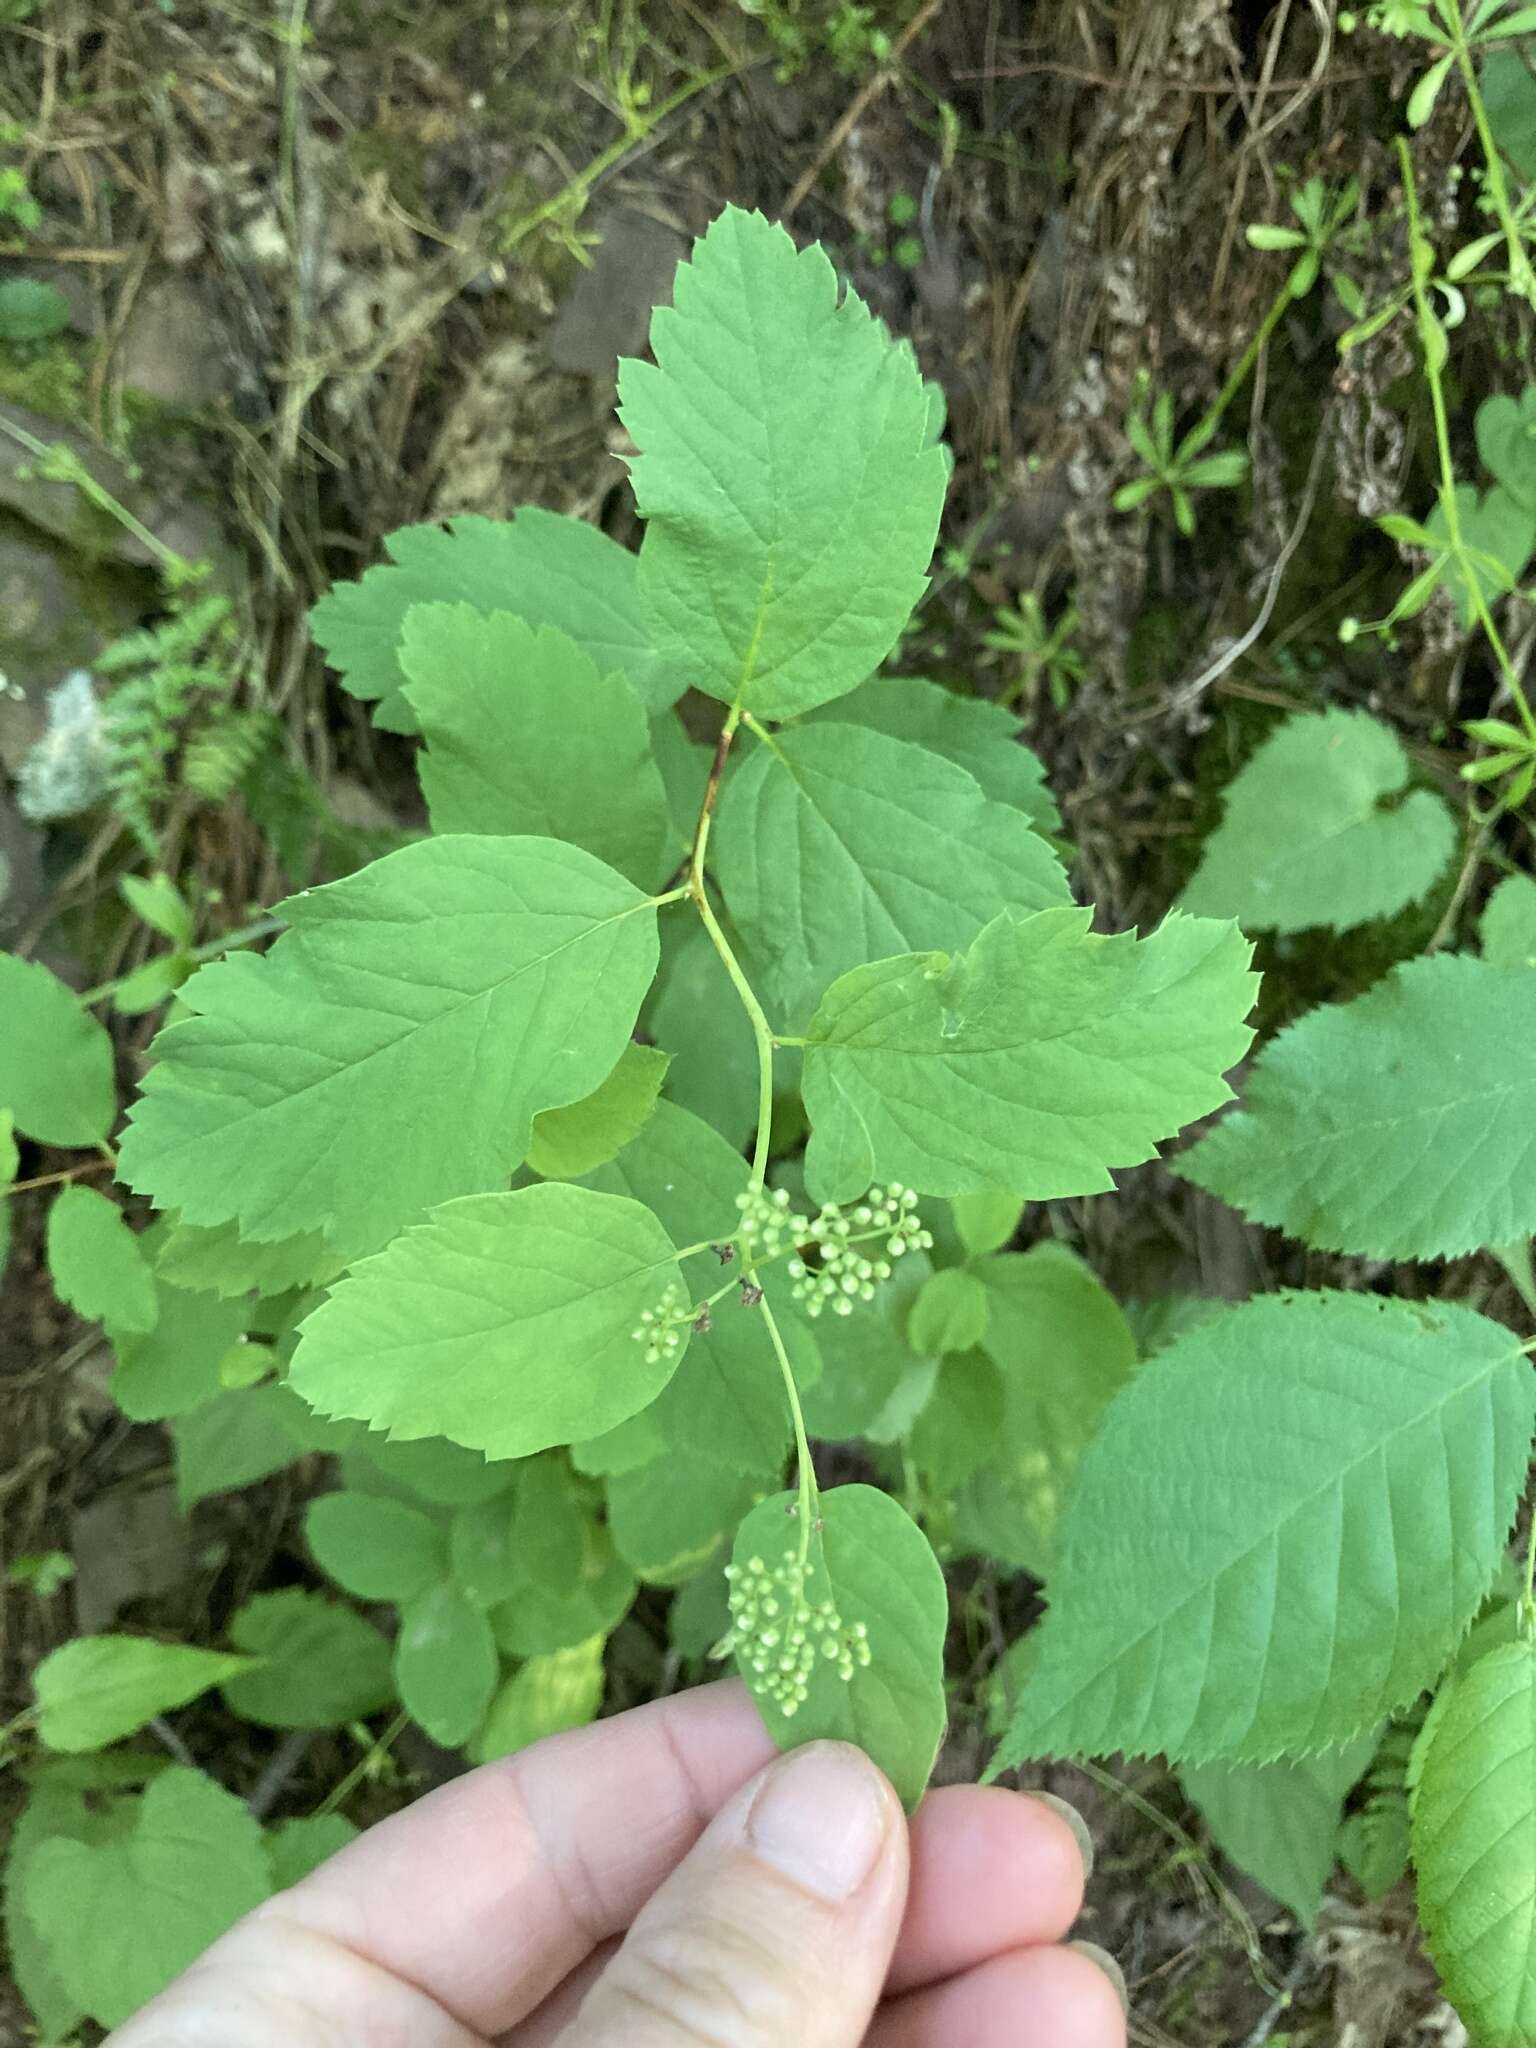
column 392, row 1049
column 377, row 1549
column 505, row 1323
column 1063, row 1349
column 322, row 1664
column 174, row 1367
column 791, row 494
column 987, row 1220
column 152, row 1899
column 975, row 734
column 950, row 1314
column 526, row 734
column 1397, row 1126
column 243, row 1434
column 544, row 1697
column 1041, row 1058
column 217, row 1260
column 296, row 1847
column 666, row 1533
column 97, row 1689
column 96, row 1262
column 725, row 1403
column 550, row 570
column 1346, row 1469
column 445, row 1664
column 836, row 845
column 1313, row 834
column 872, row 1561
column 566, row 1143
column 1474, row 1846
column 1279, row 1822
column 1507, row 928
column 56, row 1069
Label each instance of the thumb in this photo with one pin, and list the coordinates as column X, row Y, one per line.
column 779, row 1924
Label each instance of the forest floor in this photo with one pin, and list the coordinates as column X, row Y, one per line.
column 358, row 263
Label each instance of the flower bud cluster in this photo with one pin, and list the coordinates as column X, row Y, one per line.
column 660, row 1329
column 780, row 1634
column 844, row 1272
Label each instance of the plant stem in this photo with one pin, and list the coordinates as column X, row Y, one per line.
column 70, row 1173
column 1200, row 434
column 1521, row 279
column 809, row 1495
column 246, row 935
column 345, row 1787
column 1428, row 327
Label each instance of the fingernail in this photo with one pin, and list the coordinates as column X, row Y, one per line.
column 821, row 1817
column 1103, row 1960
column 1075, row 1822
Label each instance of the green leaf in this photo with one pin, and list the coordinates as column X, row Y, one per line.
column 1474, row 1846
column 122, row 1917
column 1506, row 436
column 1063, row 1349
column 322, row 1663
column 867, row 1367
column 156, row 901
column 979, row 736
column 791, row 496
column 836, row 845
column 57, row 1807
column 1507, row 927
column 240, row 1436
column 1279, row 1822
column 1262, row 236
column 392, row 1049
column 697, row 1017
column 1313, row 834
column 666, row 1532
column 1498, row 531
column 445, row 1664
column 31, row 310
column 525, row 734
column 987, row 1220
column 873, row 1563
column 1041, row 1058
column 550, row 570
column 378, row 1549
column 1346, row 1469
column 951, row 1313
column 1421, row 101
column 725, row 1403
column 1393, row 1127
column 540, row 1619
column 96, row 1262
column 1227, row 468
column 699, row 1615
column 545, row 1697
column 551, row 1528
column 219, row 1261
column 1509, row 99
column 958, row 1429
column 296, row 1847
column 97, row 1689
column 56, row 1075
column 504, row 1322
column 174, row 1367
column 435, row 1470
column 566, row 1143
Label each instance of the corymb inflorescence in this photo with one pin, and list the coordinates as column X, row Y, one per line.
column 779, row 1631
column 841, row 1254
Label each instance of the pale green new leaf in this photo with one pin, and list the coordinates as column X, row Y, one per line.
column 391, row 1051
column 1040, row 1059
column 545, row 1697
column 950, row 1314
column 987, row 1220
column 976, row 734
column 873, row 1562
column 296, row 1847
column 1474, row 1846
column 505, row 1323
column 566, row 1143
column 1317, row 831
column 1507, row 927
column 122, row 1917
column 96, row 1262
column 526, row 734
column 1279, row 1822
column 549, row 570
column 1399, row 1126
column 1064, row 1350
column 1280, row 1531
column 378, row 1549
column 97, row 1689
column 791, row 495
column 321, row 1663
column 56, row 1074
column 836, row 845
column 445, row 1664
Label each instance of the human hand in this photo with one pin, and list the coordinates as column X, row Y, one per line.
column 659, row 1881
